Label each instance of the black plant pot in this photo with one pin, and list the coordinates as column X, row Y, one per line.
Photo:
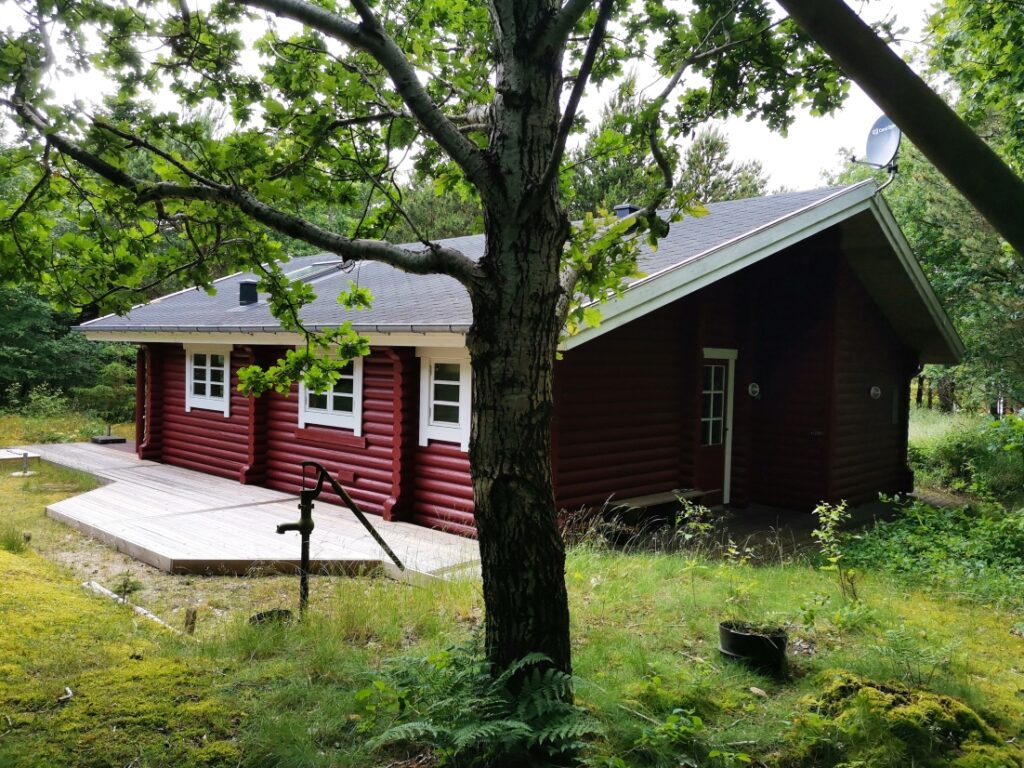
column 761, row 648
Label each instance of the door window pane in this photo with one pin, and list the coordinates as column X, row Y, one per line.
column 713, row 405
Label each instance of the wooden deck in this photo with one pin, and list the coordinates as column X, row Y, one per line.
column 183, row 521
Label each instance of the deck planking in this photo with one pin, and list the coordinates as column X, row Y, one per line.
column 183, row 521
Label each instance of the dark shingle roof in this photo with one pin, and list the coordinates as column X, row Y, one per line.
column 434, row 302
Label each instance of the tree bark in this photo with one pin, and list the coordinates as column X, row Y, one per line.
column 947, row 393
column 919, row 399
column 521, row 550
column 952, row 147
column 513, row 342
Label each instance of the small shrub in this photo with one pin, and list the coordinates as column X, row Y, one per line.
column 830, row 518
column 126, row 585
column 112, row 398
column 44, row 402
column 696, row 526
column 12, row 540
column 672, row 740
column 452, row 705
column 978, row 553
column 972, row 455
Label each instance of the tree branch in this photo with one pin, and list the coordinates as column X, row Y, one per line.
column 371, row 37
column 604, row 13
column 432, row 259
column 325, row 133
column 564, row 22
column 138, row 141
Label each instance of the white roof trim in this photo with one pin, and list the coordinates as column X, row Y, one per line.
column 403, row 338
column 666, row 285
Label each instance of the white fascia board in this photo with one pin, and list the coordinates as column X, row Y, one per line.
column 450, row 339
column 891, row 229
column 674, row 282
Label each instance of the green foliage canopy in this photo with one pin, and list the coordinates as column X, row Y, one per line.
column 139, row 193
column 36, row 348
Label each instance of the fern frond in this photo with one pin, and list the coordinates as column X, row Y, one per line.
column 491, row 733
column 406, row 732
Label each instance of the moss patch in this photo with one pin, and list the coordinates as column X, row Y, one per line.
column 138, row 698
column 859, row 722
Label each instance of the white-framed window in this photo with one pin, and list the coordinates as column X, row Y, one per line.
column 445, row 382
column 340, row 406
column 208, row 378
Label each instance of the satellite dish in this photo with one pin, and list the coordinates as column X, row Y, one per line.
column 883, row 144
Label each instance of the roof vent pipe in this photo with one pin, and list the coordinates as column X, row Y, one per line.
column 247, row 293
column 622, row 210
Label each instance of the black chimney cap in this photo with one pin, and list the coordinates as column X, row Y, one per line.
column 247, row 293
column 622, row 210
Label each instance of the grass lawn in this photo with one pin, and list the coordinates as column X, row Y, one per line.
column 645, row 647
column 67, row 427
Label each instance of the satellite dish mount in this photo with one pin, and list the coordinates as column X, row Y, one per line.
column 882, row 148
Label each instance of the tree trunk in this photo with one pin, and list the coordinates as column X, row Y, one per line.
column 947, row 393
column 521, row 551
column 931, row 394
column 512, row 344
column 919, row 398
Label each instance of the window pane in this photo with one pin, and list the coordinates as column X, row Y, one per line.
column 716, row 405
column 217, row 360
column 705, row 433
column 317, row 401
column 198, row 388
column 216, row 374
column 707, row 377
column 446, row 371
column 719, row 377
column 447, row 414
column 199, row 374
column 706, row 407
column 716, row 432
column 199, row 358
column 349, row 368
column 216, row 390
column 343, row 403
column 448, row 393
column 343, row 387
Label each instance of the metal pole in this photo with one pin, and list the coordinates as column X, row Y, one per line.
column 306, row 511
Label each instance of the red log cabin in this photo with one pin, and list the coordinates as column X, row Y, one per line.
column 765, row 356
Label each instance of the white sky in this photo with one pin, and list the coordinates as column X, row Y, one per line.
column 813, row 143
column 796, row 161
